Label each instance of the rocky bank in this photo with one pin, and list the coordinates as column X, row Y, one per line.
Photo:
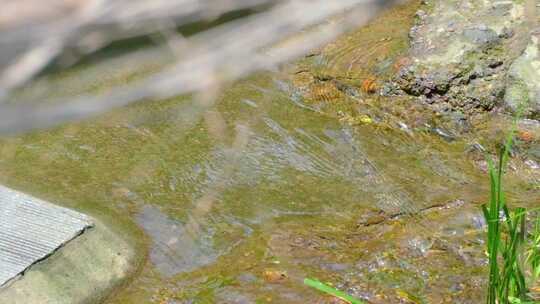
column 470, row 56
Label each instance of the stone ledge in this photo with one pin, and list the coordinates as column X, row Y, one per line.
column 85, row 270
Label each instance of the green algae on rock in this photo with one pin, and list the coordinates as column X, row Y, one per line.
column 461, row 51
column 524, row 81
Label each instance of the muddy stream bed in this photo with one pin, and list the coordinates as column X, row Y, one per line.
column 301, row 172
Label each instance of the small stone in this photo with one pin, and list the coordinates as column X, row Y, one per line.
column 274, row 276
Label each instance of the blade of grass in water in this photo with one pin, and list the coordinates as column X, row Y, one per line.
column 506, row 235
column 331, row 291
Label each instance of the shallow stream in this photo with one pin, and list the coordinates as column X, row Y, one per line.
column 239, row 200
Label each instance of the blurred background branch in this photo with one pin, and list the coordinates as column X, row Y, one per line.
column 208, row 42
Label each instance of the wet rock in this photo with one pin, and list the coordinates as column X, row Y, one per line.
column 460, row 53
column 524, row 82
column 480, row 35
column 176, row 247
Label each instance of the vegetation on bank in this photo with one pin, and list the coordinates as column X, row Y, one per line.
column 514, row 254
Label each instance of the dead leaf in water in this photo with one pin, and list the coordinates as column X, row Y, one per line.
column 369, row 85
column 525, row 136
column 274, row 276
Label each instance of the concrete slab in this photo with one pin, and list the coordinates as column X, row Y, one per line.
column 50, row 254
column 86, row 270
column 32, row 229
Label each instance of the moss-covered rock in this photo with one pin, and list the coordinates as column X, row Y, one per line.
column 523, row 88
column 461, row 51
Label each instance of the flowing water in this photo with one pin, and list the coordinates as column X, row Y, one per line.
column 238, row 200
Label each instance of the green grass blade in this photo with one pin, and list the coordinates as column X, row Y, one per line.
column 331, row 291
column 505, row 241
